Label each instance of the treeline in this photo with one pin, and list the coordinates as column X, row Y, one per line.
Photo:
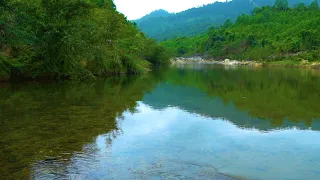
column 161, row 25
column 71, row 39
column 270, row 33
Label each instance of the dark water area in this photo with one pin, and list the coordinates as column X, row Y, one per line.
column 185, row 122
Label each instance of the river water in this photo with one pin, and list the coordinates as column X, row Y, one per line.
column 184, row 122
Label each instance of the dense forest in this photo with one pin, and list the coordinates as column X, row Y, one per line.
column 271, row 33
column 162, row 25
column 71, row 39
column 78, row 39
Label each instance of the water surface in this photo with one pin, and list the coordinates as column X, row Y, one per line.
column 188, row 122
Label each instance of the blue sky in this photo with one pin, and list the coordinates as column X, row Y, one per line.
column 135, row 9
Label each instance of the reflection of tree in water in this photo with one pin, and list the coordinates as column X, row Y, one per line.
column 61, row 168
column 48, row 123
column 277, row 95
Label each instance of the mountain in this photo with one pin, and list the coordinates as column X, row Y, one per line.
column 162, row 25
column 269, row 34
column 155, row 14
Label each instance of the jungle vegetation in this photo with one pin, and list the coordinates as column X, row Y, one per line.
column 270, row 33
column 71, row 39
column 163, row 25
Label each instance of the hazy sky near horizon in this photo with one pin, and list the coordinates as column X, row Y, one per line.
column 135, row 9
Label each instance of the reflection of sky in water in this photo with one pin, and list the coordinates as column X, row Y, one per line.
column 172, row 143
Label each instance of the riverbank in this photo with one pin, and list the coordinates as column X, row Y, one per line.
column 228, row 62
column 199, row 60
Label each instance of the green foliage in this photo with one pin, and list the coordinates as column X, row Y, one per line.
column 281, row 4
column 4, row 70
column 72, row 38
column 267, row 35
column 184, row 46
column 314, row 5
column 162, row 25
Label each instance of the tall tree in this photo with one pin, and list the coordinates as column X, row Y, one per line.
column 281, row 4
column 314, row 5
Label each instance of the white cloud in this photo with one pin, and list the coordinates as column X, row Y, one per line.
column 135, row 9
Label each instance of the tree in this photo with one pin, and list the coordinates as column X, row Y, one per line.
column 281, row 4
column 314, row 5
column 251, row 40
column 300, row 7
column 227, row 23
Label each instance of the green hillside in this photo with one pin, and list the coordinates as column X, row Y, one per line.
column 71, row 39
column 270, row 34
column 162, row 26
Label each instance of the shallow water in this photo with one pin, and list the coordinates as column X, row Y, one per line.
column 188, row 122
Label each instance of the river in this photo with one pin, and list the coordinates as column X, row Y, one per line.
column 183, row 122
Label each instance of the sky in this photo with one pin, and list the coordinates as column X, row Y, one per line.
column 135, row 9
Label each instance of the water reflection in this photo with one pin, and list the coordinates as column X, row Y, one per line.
column 194, row 122
column 178, row 144
column 195, row 101
column 275, row 94
column 49, row 122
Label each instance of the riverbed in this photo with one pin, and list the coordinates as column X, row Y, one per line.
column 189, row 121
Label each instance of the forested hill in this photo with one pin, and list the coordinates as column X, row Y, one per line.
column 197, row 20
column 154, row 14
column 271, row 33
column 71, row 39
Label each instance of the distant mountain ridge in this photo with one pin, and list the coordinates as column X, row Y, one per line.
column 163, row 25
column 155, row 14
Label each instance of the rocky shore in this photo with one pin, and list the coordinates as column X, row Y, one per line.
column 227, row 62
